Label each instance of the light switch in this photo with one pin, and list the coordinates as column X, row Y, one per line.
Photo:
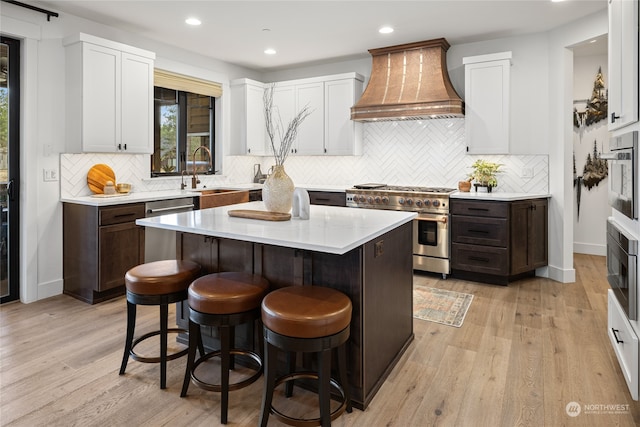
column 50, row 175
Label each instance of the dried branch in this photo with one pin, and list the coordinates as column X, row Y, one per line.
column 274, row 126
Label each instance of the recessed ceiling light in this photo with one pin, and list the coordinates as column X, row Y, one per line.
column 385, row 30
column 193, row 21
column 270, row 51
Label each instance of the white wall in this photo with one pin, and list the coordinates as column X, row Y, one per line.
column 560, row 138
column 589, row 231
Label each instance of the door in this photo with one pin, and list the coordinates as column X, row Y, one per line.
column 9, row 167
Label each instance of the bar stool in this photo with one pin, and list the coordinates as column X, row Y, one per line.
column 156, row 283
column 223, row 300
column 306, row 319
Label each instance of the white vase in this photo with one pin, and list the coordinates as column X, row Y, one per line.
column 277, row 192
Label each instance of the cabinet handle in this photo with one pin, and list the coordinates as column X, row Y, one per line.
column 614, row 117
column 615, row 335
column 479, row 231
column 474, row 258
column 125, row 147
column 123, row 215
column 478, row 209
column 249, row 150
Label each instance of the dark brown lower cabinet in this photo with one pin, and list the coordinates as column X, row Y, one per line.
column 328, row 198
column 99, row 245
column 377, row 276
column 497, row 242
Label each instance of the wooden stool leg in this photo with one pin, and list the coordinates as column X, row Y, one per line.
column 324, row 392
column 164, row 320
column 225, row 338
column 270, row 364
column 195, row 341
column 131, row 326
column 291, row 366
column 344, row 381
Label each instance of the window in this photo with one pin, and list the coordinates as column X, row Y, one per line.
column 183, row 121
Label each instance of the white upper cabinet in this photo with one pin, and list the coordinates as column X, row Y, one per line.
column 310, row 140
column 623, row 63
column 109, row 96
column 342, row 136
column 487, row 91
column 248, row 132
column 328, row 130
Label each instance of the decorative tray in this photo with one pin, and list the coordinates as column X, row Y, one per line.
column 263, row 215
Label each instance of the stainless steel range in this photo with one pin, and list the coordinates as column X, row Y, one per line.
column 430, row 228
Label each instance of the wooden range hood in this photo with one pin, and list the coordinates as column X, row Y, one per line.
column 409, row 82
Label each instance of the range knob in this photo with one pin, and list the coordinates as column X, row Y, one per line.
column 426, row 203
column 361, row 199
column 401, row 200
column 370, row 199
column 418, row 203
column 435, row 203
column 377, row 199
column 409, row 202
column 385, row 200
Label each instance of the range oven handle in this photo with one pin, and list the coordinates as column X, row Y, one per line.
column 442, row 219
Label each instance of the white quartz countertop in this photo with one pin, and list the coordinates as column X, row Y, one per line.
column 148, row 196
column 497, row 196
column 135, row 197
column 329, row 229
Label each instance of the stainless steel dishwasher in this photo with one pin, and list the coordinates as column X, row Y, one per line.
column 161, row 244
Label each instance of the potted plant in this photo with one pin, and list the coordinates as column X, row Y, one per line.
column 484, row 174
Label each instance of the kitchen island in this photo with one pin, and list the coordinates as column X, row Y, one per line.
column 367, row 254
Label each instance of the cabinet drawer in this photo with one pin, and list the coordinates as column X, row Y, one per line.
column 328, row 198
column 480, row 259
column 624, row 342
column 475, row 208
column 479, row 231
column 122, row 213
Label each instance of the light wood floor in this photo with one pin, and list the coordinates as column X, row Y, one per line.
column 524, row 352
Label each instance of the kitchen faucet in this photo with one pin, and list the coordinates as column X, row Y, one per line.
column 182, row 184
column 194, row 180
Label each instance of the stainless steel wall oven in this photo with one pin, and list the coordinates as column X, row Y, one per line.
column 622, row 251
column 623, row 173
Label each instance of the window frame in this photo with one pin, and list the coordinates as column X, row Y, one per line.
column 182, row 156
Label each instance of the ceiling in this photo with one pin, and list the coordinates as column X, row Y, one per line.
column 304, row 32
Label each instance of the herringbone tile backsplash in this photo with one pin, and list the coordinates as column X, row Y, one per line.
column 424, row 153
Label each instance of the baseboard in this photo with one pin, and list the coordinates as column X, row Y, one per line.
column 561, row 275
column 590, row 249
column 50, row 289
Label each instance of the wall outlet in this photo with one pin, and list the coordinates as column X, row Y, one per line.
column 50, row 174
column 526, row 173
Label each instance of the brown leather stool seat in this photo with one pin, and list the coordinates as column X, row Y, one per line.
column 223, row 300
column 156, row 283
column 306, row 319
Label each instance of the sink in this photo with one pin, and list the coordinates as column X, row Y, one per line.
column 207, row 191
column 215, row 197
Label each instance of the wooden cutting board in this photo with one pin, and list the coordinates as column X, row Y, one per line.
column 263, row 215
column 98, row 176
